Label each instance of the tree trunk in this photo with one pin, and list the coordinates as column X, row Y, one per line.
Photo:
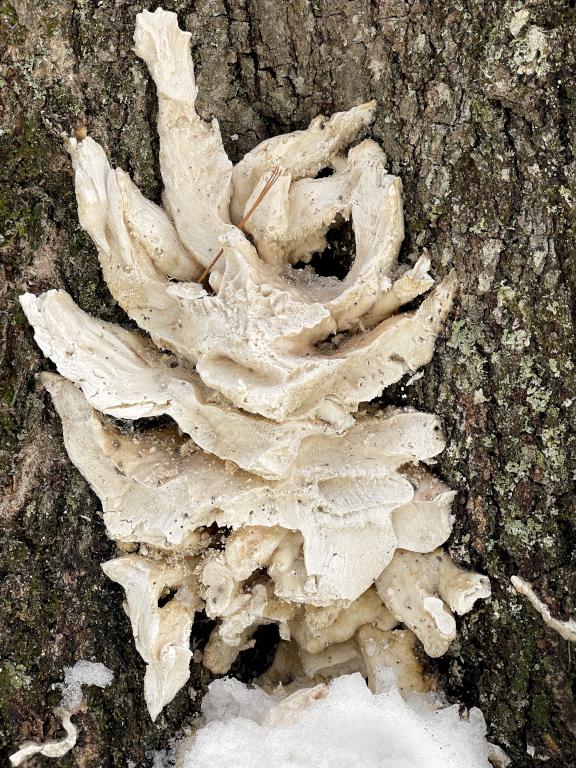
column 477, row 116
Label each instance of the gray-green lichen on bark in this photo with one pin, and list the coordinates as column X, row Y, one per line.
column 476, row 113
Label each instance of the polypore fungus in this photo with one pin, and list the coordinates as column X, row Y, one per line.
column 275, row 496
column 422, row 590
column 161, row 601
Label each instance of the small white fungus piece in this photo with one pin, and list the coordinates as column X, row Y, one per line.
column 566, row 629
column 82, row 673
column 52, row 748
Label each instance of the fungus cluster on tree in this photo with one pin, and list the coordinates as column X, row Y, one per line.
column 274, row 493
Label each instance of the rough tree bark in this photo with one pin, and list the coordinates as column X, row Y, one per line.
column 477, row 115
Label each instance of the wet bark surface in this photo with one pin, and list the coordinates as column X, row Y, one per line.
column 477, row 116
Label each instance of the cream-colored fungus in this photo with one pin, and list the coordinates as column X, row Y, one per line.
column 274, row 494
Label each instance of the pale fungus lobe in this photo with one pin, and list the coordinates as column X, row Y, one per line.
column 271, row 494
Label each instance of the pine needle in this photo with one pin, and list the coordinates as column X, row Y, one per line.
column 276, row 173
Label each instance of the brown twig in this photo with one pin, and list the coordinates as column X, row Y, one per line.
column 276, row 173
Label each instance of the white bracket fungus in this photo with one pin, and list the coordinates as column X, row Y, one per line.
column 263, row 366
column 161, row 632
column 422, row 590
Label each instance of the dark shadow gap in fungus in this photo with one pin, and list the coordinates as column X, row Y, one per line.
column 253, row 662
column 338, row 256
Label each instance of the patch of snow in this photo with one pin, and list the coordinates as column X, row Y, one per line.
column 342, row 724
column 83, row 673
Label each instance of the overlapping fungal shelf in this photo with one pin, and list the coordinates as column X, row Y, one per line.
column 277, row 495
